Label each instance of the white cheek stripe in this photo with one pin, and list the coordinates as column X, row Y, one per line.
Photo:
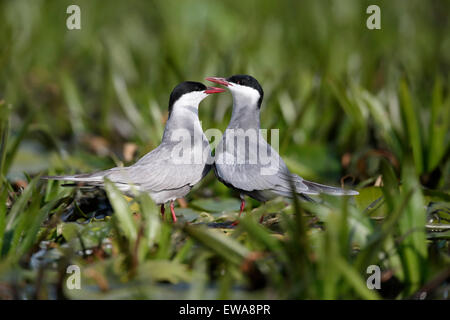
column 244, row 94
column 191, row 99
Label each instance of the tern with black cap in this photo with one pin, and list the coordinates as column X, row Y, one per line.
column 160, row 173
column 267, row 176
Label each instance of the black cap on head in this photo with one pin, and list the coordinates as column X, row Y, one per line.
column 183, row 88
column 249, row 81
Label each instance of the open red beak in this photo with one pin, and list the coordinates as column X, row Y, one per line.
column 221, row 81
column 210, row 90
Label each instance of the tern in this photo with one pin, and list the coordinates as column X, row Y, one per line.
column 181, row 160
column 245, row 162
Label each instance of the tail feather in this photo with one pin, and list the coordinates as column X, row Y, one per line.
column 96, row 177
column 306, row 187
column 321, row 188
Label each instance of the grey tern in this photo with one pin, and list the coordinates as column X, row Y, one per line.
column 171, row 170
column 245, row 162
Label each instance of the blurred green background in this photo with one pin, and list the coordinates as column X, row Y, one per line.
column 368, row 108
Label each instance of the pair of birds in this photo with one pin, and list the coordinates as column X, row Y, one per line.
column 250, row 166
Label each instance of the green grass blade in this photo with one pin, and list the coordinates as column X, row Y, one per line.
column 438, row 127
column 164, row 243
column 3, row 199
column 4, row 131
column 412, row 125
column 36, row 217
column 129, row 108
column 261, row 235
column 74, row 103
column 152, row 219
column 15, row 143
column 382, row 120
column 220, row 244
column 25, row 229
column 349, row 106
column 20, row 204
column 184, row 251
column 413, row 243
column 122, row 211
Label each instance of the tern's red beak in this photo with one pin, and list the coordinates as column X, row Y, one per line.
column 221, row 81
column 210, row 90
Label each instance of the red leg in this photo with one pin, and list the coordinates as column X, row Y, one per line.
column 242, row 207
column 174, row 217
column 162, row 211
column 261, row 219
column 240, row 211
column 262, row 216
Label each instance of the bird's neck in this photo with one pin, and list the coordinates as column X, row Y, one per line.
column 182, row 119
column 245, row 115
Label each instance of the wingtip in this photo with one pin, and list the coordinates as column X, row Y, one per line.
column 56, row 177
